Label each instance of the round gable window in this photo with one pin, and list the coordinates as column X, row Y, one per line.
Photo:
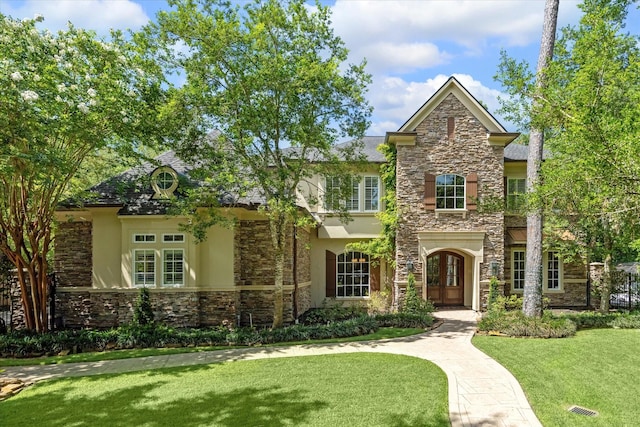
column 164, row 182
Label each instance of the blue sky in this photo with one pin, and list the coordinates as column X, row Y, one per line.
column 411, row 46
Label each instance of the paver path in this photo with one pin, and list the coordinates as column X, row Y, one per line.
column 481, row 391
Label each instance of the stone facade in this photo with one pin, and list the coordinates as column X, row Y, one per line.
column 106, row 309
column 251, row 302
column 73, row 249
column 437, row 151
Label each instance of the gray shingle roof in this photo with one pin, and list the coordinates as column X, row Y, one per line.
column 519, row 153
column 132, row 192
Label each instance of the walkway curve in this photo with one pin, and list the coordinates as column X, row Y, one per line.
column 481, row 391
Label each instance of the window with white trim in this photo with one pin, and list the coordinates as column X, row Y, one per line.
column 551, row 274
column 353, row 279
column 516, row 190
column 553, row 271
column 144, row 238
column 364, row 195
column 144, row 267
column 517, row 270
column 173, row 238
column 172, row 267
column 450, row 191
column 353, row 203
column 158, row 260
column 371, row 193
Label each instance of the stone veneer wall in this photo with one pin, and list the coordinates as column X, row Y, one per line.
column 255, row 259
column 574, row 286
column 106, row 309
column 73, row 248
column 434, row 153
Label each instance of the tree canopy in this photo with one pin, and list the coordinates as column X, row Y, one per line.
column 64, row 97
column 271, row 79
column 590, row 110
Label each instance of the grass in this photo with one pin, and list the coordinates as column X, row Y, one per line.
column 597, row 369
column 382, row 333
column 357, row 389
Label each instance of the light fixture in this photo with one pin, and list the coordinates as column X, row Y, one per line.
column 494, row 267
column 410, row 266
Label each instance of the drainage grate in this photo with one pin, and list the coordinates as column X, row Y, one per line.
column 583, row 411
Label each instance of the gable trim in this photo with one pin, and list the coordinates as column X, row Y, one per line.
column 453, row 86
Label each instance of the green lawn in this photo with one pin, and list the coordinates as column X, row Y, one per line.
column 597, row 369
column 357, row 389
column 382, row 333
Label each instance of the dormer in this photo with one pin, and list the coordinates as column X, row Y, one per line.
column 164, row 182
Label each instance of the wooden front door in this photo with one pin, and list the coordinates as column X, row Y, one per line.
column 445, row 278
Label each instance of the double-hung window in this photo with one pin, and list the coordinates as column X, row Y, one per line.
column 144, row 269
column 516, row 190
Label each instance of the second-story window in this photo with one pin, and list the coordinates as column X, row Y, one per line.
column 450, row 191
column 364, row 194
column 516, row 189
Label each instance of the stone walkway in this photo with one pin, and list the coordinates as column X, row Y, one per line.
column 481, row 391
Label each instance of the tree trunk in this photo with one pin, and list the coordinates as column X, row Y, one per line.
column 532, row 304
column 605, row 287
column 278, row 224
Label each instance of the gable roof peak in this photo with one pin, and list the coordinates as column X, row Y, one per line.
column 453, row 86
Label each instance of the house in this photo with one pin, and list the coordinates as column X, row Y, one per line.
column 452, row 155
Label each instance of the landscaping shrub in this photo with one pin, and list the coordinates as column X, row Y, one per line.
column 379, row 302
column 332, row 313
column 412, row 303
column 515, row 323
column 143, row 312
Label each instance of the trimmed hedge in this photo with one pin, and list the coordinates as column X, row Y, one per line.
column 26, row 344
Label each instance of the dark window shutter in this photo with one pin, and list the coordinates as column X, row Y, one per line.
column 430, row 191
column 330, row 269
column 374, row 278
column 472, row 191
column 505, row 188
column 451, row 127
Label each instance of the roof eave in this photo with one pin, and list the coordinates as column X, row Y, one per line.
column 401, row 138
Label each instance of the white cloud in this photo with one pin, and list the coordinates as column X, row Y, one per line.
column 396, row 100
column 98, row 15
column 417, row 35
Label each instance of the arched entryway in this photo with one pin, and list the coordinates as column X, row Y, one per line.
column 445, row 278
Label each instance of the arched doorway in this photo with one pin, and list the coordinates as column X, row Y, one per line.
column 445, row 278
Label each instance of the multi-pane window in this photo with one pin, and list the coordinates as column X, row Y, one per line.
column 371, row 193
column 363, row 195
column 144, row 238
column 353, row 278
column 516, row 190
column 353, row 202
column 144, row 268
column 517, row 270
column 450, row 191
column 173, row 238
column 165, row 180
column 553, row 271
column 173, row 267
column 158, row 260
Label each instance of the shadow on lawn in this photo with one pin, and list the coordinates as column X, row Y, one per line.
column 151, row 404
